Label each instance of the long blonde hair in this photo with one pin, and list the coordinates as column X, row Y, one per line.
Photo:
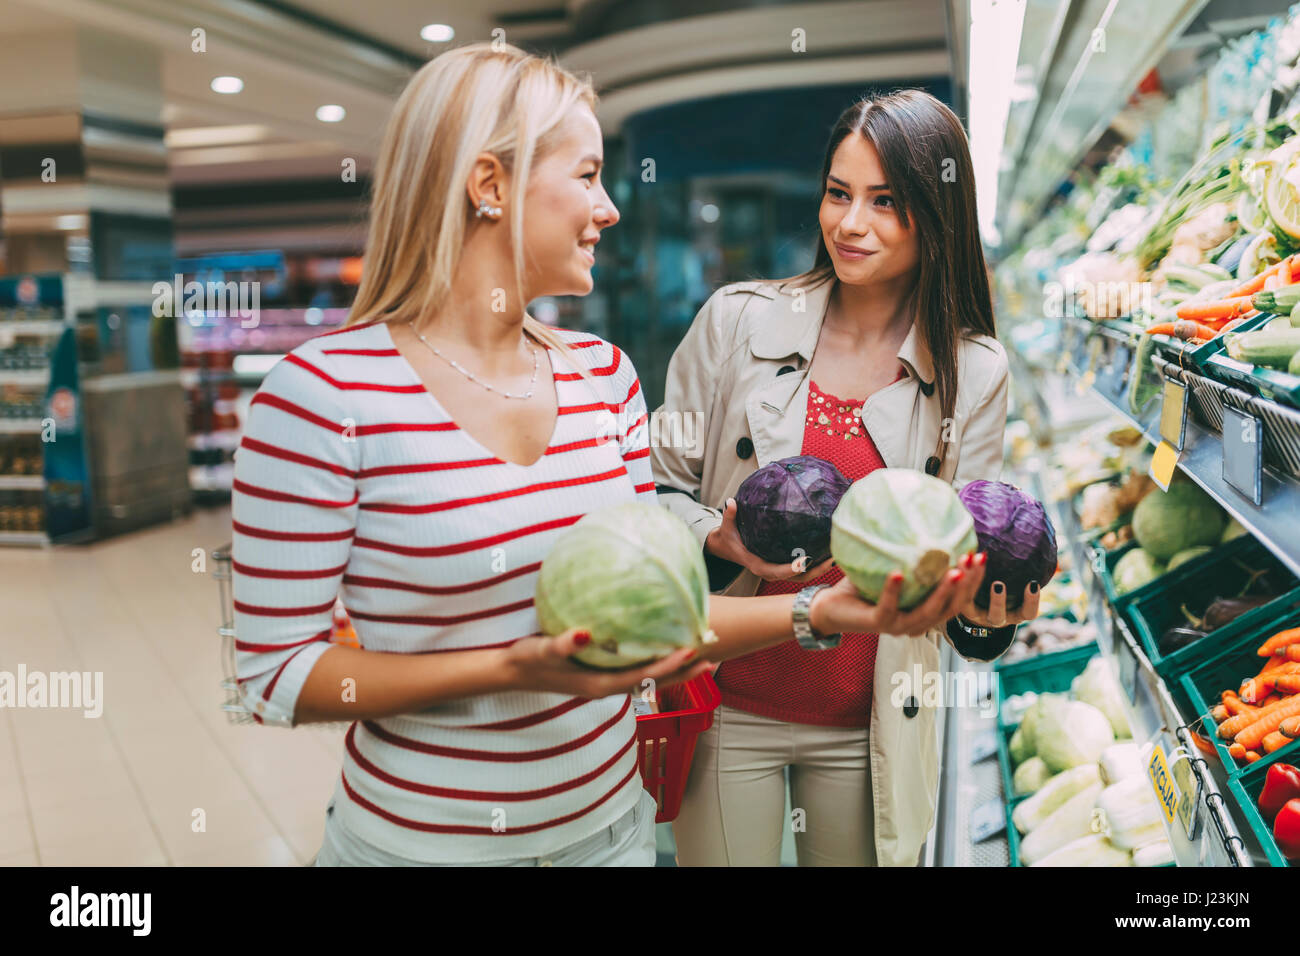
column 474, row 99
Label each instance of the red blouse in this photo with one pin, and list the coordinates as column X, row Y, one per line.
column 829, row 688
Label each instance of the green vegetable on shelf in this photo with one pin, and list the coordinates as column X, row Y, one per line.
column 1181, row 518
column 1188, row 554
column 1135, row 569
column 1030, row 776
column 1269, row 347
column 1280, row 301
column 1072, row 734
column 1033, row 811
column 1068, row 822
column 1091, row 850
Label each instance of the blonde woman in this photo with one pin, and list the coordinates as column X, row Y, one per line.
column 424, row 459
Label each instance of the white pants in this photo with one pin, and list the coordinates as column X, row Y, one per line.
column 628, row 841
column 733, row 813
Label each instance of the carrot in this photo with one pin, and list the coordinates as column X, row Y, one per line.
column 1289, row 683
column 1161, row 328
column 1252, row 756
column 1219, row 714
column 1272, row 663
column 1257, row 283
column 1284, row 271
column 1278, row 641
column 1290, row 727
column 1269, row 719
column 1235, row 705
column 1229, row 326
column 1293, row 652
column 1202, row 743
column 1220, row 308
column 1187, row 329
column 1237, row 752
column 1255, row 689
column 1270, row 700
column 1275, row 741
column 1234, row 725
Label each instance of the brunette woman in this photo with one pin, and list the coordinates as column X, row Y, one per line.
column 882, row 355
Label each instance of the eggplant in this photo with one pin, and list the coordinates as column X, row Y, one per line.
column 1176, row 638
column 1223, row 611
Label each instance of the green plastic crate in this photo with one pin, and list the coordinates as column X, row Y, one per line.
column 1237, row 662
column 1103, row 565
column 1267, row 382
column 1221, row 573
column 1044, row 674
column 1246, row 788
column 1198, row 356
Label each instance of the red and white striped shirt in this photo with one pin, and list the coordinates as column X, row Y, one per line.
column 351, row 476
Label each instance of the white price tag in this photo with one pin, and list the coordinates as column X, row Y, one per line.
column 987, row 820
column 983, row 745
column 1243, row 444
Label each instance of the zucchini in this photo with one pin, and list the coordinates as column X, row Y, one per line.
column 1213, row 272
column 1281, row 322
column 1294, row 367
column 1295, row 317
column 1272, row 347
column 1188, row 277
column 1140, row 388
column 1286, row 298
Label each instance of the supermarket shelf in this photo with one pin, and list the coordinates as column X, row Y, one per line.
column 33, row 327
column 35, row 539
column 1276, row 523
column 20, row 482
column 34, row 376
column 1152, row 713
column 20, row 426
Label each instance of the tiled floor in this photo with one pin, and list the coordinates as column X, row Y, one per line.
column 160, row 778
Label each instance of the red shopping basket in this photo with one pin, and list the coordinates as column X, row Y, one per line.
column 666, row 741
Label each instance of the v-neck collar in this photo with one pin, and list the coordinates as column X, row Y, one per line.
column 441, row 409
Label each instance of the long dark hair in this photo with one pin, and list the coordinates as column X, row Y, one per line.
column 926, row 159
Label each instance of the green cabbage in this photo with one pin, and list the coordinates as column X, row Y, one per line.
column 1029, row 722
column 1181, row 518
column 1134, row 569
column 1072, row 734
column 897, row 519
column 1019, row 747
column 1188, row 554
column 634, row 576
column 1030, row 776
column 1098, row 686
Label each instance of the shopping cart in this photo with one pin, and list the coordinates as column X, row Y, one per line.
column 665, row 740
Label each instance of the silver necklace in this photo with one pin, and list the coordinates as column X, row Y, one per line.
column 471, row 376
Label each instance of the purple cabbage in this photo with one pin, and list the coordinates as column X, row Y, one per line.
column 786, row 506
column 1014, row 531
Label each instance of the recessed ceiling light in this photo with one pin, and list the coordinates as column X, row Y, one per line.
column 437, row 33
column 331, row 113
column 227, row 84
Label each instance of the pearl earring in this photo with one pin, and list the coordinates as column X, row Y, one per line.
column 485, row 209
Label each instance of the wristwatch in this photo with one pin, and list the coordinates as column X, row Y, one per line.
column 803, row 631
column 974, row 630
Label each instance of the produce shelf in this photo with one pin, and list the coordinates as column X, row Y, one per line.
column 1275, row 522
column 1152, row 713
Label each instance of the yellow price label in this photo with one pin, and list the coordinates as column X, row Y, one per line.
column 1162, row 783
column 1173, row 413
column 1163, row 462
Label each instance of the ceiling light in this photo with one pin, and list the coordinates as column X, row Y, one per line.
column 227, row 84
column 437, row 33
column 330, row 113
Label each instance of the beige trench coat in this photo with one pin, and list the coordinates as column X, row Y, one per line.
column 740, row 374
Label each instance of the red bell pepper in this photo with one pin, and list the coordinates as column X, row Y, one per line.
column 1286, row 830
column 1280, row 785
